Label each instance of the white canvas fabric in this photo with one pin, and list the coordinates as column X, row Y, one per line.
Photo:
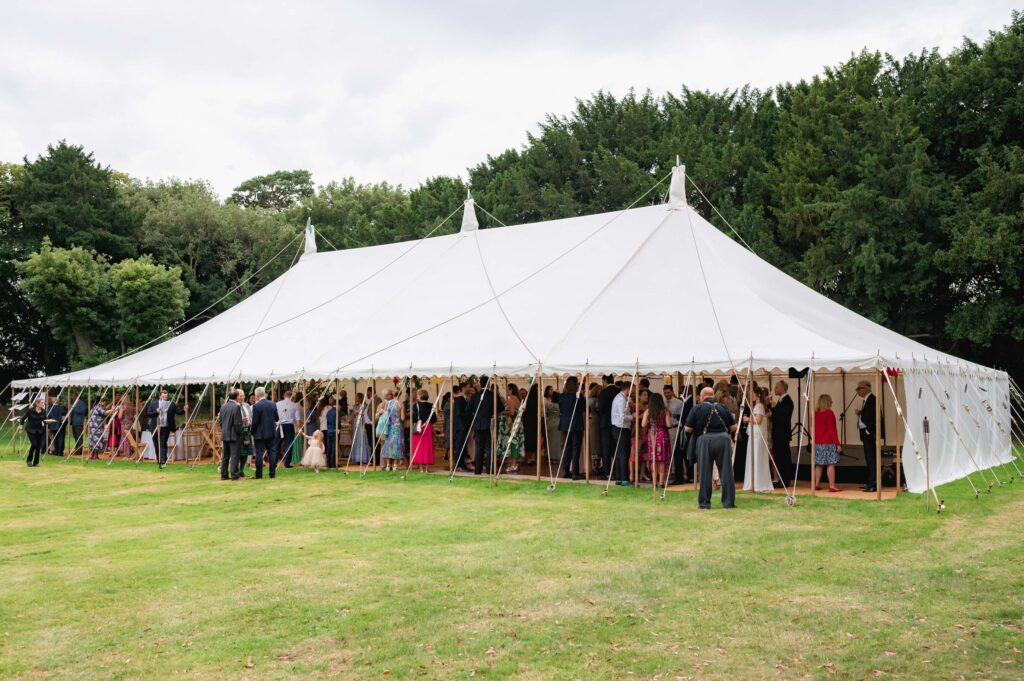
column 658, row 289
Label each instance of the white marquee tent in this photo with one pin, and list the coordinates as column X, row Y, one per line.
column 655, row 289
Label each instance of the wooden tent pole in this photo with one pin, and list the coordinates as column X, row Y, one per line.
column 878, row 434
column 842, row 414
column 586, row 427
column 539, row 402
column 899, row 439
column 636, row 433
column 373, row 425
column 813, row 409
column 450, row 423
column 494, row 423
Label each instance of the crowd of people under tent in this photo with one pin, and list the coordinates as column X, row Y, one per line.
column 634, row 432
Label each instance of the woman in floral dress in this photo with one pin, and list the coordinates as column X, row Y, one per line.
column 97, row 418
column 506, row 422
column 392, row 411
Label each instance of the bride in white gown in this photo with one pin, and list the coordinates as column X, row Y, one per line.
column 758, row 476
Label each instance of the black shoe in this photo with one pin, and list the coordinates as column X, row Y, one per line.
column 260, row 477
column 577, row 477
column 163, row 466
column 223, row 479
column 271, row 477
column 870, row 488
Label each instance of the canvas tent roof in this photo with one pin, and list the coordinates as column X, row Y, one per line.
column 657, row 287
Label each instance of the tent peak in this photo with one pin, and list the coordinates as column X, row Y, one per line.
column 469, row 221
column 677, row 188
column 310, row 247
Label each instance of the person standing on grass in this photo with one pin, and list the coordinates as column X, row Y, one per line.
column 35, row 428
column 287, row 415
column 264, row 432
column 79, row 414
column 231, row 431
column 711, row 423
column 55, row 425
column 826, row 442
column 423, row 420
column 162, row 423
column 97, row 417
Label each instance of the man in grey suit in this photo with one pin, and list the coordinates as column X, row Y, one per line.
column 231, row 436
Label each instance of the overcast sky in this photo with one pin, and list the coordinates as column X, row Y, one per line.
column 397, row 91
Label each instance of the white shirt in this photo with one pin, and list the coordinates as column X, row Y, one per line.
column 675, row 409
column 621, row 418
column 860, row 421
column 288, row 411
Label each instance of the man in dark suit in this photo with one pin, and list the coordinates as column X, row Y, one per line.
column 866, row 427
column 162, row 423
column 264, row 432
column 782, row 431
column 572, row 414
column 79, row 414
column 604, row 423
column 683, row 468
column 231, row 436
column 481, row 410
column 56, row 415
column 460, row 425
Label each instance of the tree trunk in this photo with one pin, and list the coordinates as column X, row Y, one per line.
column 83, row 342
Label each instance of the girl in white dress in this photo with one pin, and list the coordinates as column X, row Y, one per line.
column 758, row 476
column 314, row 457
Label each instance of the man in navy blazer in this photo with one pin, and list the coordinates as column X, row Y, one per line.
column 264, row 432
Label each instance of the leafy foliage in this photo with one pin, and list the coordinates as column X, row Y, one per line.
column 276, row 191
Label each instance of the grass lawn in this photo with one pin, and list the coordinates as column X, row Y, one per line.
column 125, row 572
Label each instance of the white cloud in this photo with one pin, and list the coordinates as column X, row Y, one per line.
column 403, row 91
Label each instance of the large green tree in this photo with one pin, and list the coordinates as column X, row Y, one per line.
column 66, row 196
column 276, row 191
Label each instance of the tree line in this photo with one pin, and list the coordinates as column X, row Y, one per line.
column 895, row 186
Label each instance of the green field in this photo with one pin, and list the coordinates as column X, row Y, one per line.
column 129, row 572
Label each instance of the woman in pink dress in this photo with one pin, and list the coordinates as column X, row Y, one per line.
column 422, row 426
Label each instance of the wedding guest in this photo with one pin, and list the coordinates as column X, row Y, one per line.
column 622, row 423
column 231, row 431
column 529, row 425
column 56, row 419
column 97, row 421
column 314, row 456
column 866, row 428
column 329, row 422
column 552, row 436
column 655, row 424
column 77, row 419
column 34, row 424
column 572, row 409
column 287, row 414
column 510, row 445
column 604, row 422
column 711, row 424
column 390, row 415
column 161, row 414
column 361, row 421
column 826, row 442
column 482, row 413
column 423, row 419
column 782, row 432
column 264, row 432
